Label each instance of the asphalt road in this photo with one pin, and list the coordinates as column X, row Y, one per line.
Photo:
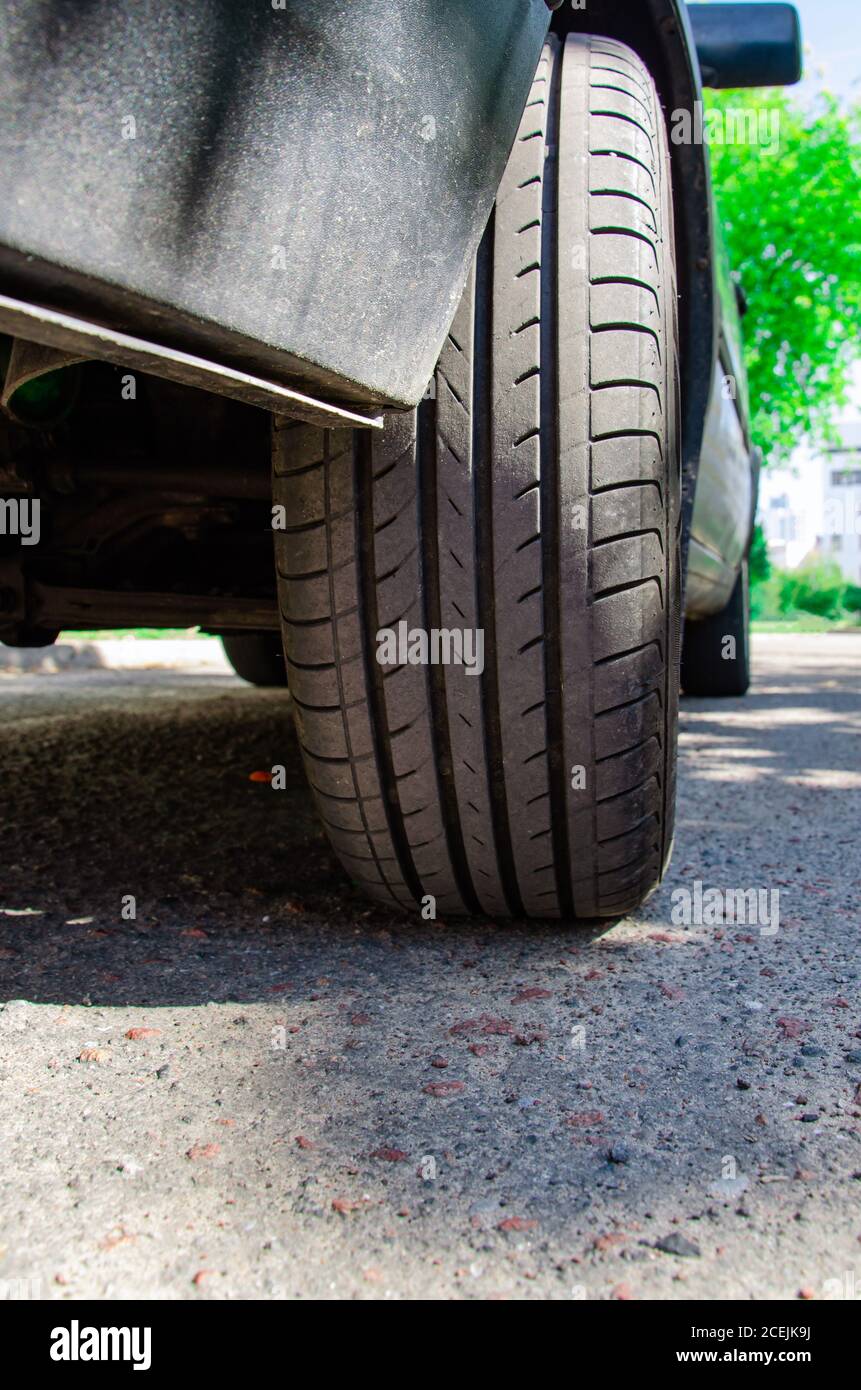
column 260, row 1085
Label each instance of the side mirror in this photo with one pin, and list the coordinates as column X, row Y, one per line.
column 747, row 45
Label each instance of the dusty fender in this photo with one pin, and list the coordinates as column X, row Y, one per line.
column 291, row 189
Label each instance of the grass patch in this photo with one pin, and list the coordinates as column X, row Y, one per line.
column 805, row 622
column 143, row 634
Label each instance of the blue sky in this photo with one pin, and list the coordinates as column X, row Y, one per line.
column 832, row 41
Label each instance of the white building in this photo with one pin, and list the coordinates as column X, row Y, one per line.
column 841, row 521
column 790, row 509
column 813, row 506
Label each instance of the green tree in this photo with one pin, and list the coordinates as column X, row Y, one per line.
column 791, row 222
column 759, row 565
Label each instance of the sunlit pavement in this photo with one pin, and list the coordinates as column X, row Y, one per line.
column 260, row 1085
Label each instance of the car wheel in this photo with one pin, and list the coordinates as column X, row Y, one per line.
column 258, row 657
column 530, row 511
column 716, row 650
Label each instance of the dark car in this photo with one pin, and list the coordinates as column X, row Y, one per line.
column 430, row 293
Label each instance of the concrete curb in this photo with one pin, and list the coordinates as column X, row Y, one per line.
column 117, row 654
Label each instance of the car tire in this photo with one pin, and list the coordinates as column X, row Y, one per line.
column 716, row 650
column 258, row 657
column 534, row 498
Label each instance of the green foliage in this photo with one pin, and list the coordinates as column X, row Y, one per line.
column 813, row 588
column 817, row 588
column 765, row 600
column 790, row 219
column 759, row 565
column 852, row 598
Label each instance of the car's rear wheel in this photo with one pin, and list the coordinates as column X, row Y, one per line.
column 716, row 650
column 258, row 657
column 531, row 511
